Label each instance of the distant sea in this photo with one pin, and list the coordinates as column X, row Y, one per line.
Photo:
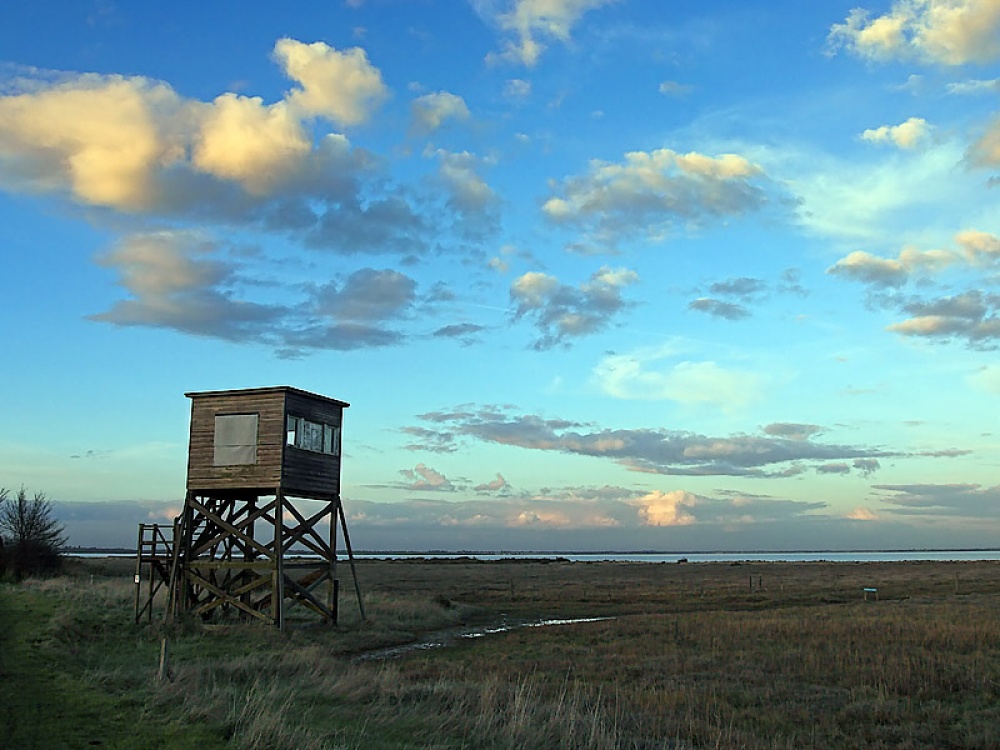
column 655, row 557
column 696, row 557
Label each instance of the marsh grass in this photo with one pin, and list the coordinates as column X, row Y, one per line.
column 699, row 656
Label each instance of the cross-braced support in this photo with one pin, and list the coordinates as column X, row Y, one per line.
column 257, row 556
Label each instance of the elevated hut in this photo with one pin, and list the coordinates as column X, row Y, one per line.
column 258, row 533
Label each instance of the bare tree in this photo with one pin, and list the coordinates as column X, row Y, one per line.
column 30, row 538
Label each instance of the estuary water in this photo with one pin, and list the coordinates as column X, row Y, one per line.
column 696, row 557
column 940, row 555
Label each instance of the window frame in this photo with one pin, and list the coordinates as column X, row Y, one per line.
column 311, row 435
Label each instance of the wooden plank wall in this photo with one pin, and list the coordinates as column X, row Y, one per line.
column 305, row 471
column 266, row 473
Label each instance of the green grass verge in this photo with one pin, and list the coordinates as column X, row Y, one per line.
column 52, row 695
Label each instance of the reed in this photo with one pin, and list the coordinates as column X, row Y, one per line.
column 770, row 656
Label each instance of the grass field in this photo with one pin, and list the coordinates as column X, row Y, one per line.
column 708, row 655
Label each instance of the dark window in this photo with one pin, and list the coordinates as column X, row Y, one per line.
column 312, row 436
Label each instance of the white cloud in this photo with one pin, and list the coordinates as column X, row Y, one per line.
column 469, row 193
column 949, row 32
column 871, row 269
column 907, row 135
column 862, row 514
column 649, row 190
column 666, row 508
column 342, row 87
column 430, row 111
column 643, row 375
column 135, row 145
column 424, row 478
column 974, row 249
column 243, row 140
column 100, row 138
column 528, row 21
column 971, row 315
column 497, row 485
column 979, row 248
column 561, row 311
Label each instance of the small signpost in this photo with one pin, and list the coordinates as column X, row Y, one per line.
column 870, row 590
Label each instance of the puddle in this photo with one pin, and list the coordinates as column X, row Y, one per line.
column 445, row 638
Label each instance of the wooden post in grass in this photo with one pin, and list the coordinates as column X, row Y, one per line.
column 164, row 671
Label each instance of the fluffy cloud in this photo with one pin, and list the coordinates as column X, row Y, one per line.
column 979, row 248
column 871, row 269
column 358, row 312
column 605, row 508
column 652, row 451
column 562, row 312
column 180, row 281
column 866, row 466
column 862, row 514
column 257, row 146
column 342, row 87
column 136, row 146
column 470, row 198
column 740, row 292
column 176, row 283
column 118, row 142
column 367, row 295
column 666, row 508
column 972, row 316
column 907, row 135
column 497, row 485
column 680, row 508
column 950, row 32
column 974, row 249
column 649, row 191
column 527, row 21
column 101, row 139
column 431, row 111
column 425, row 478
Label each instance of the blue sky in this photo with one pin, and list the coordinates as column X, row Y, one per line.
column 592, row 274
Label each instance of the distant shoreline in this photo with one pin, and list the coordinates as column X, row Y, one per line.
column 901, row 555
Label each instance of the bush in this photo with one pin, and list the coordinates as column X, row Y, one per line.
column 30, row 538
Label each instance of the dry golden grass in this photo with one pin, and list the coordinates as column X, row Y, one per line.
column 757, row 655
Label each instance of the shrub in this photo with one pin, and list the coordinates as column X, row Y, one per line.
column 30, row 538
